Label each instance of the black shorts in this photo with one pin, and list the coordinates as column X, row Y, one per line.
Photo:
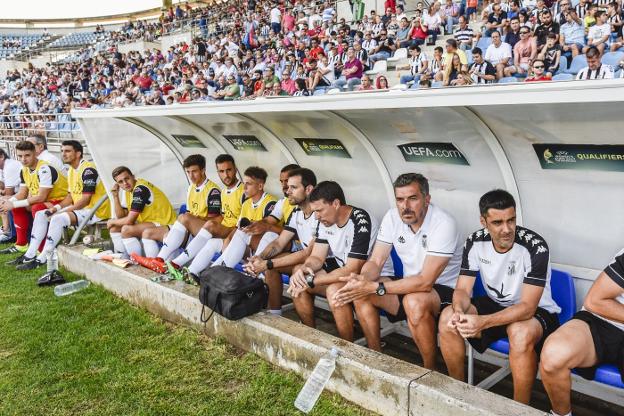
column 608, row 342
column 446, row 298
column 330, row 265
column 486, row 306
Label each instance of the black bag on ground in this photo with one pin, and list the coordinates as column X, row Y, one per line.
column 230, row 293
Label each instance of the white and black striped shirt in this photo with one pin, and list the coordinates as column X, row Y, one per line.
column 603, row 72
column 581, row 10
column 368, row 45
column 435, row 66
column 464, row 35
column 416, row 64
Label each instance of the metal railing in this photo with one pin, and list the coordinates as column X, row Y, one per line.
column 55, row 127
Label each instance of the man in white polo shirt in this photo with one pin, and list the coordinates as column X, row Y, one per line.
column 426, row 240
column 42, row 153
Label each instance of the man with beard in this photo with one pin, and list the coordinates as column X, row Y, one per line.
column 426, row 240
column 232, row 197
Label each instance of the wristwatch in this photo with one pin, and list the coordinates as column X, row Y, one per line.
column 381, row 289
column 269, row 264
column 310, row 280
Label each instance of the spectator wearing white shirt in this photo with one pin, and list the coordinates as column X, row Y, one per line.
column 594, row 68
column 600, row 33
column 431, row 19
column 276, row 19
column 10, row 178
column 498, row 54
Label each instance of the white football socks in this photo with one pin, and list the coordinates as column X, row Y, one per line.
column 193, row 247
column 204, row 257
column 55, row 232
column 173, row 240
column 38, row 233
column 132, row 246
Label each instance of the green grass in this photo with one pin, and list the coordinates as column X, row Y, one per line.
column 91, row 353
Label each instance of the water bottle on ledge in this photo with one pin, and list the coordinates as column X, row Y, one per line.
column 315, row 384
column 71, row 287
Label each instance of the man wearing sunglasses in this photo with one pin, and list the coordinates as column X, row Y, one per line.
column 539, row 74
column 572, row 34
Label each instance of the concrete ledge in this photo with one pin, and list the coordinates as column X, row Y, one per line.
column 374, row 381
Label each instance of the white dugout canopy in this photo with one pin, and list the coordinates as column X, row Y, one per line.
column 557, row 147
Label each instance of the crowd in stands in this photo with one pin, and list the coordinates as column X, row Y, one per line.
column 250, row 49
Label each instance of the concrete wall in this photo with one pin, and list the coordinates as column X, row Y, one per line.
column 171, row 40
column 138, row 46
column 374, row 381
column 10, row 65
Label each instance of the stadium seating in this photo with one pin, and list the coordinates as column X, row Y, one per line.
column 77, row 39
column 579, row 62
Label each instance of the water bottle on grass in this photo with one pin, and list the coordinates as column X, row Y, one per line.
column 315, row 384
column 71, row 287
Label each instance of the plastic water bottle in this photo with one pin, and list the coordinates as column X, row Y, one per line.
column 71, row 287
column 315, row 384
column 52, row 264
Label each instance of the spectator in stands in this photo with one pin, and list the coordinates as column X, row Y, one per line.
column 496, row 21
column 599, row 34
column 551, row 54
column 498, row 54
column 513, row 34
column 287, row 83
column 431, row 19
column 417, row 64
column 451, row 51
column 572, row 34
column 615, row 20
column 481, row 71
column 538, row 72
column 351, row 73
column 366, row 84
column 452, row 70
column 463, row 79
column 464, row 34
column 450, row 13
column 302, row 89
column 418, row 31
column 514, row 266
column 381, row 83
column 385, row 48
column 594, row 68
column 593, row 337
column 403, row 34
column 524, row 53
column 547, row 26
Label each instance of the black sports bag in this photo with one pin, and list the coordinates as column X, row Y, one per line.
column 230, row 293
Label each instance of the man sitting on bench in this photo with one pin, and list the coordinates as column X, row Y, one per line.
column 514, row 264
column 203, row 203
column 426, row 240
column 347, row 233
column 42, row 186
column 301, row 225
column 140, row 206
column 85, row 190
column 593, row 337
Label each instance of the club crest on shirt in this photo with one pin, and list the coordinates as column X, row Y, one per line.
column 424, row 241
column 401, row 240
column 511, row 268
